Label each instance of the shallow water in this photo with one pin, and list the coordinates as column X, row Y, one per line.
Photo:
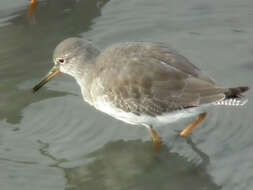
column 52, row 140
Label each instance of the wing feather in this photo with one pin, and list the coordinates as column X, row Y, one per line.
column 148, row 78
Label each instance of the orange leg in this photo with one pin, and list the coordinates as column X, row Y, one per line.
column 33, row 2
column 32, row 9
column 193, row 126
column 155, row 136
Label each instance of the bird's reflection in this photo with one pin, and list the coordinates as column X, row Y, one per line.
column 134, row 165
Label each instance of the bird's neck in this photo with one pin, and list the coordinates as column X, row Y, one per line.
column 84, row 77
column 84, row 71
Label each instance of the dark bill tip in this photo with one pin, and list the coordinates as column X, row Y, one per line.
column 52, row 74
column 38, row 86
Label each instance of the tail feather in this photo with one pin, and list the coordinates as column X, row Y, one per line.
column 236, row 92
column 231, row 102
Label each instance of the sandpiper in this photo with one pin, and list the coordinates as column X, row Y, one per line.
column 143, row 84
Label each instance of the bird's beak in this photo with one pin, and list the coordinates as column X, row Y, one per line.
column 55, row 71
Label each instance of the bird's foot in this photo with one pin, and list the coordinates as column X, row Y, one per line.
column 157, row 140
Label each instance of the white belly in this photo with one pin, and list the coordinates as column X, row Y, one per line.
column 144, row 119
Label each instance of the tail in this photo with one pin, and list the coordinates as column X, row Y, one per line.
column 236, row 92
column 233, row 97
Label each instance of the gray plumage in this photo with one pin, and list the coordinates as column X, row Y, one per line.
column 137, row 77
column 140, row 83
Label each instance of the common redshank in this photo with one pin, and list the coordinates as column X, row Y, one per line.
column 143, row 84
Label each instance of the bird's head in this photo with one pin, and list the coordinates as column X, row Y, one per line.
column 70, row 57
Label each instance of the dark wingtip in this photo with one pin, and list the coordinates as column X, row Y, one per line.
column 236, row 92
column 244, row 88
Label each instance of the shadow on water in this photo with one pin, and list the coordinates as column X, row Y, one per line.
column 135, row 165
column 26, row 49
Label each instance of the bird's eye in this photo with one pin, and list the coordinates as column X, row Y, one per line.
column 61, row 60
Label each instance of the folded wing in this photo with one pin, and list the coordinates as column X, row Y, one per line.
column 149, row 78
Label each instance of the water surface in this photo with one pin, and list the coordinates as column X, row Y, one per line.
column 53, row 140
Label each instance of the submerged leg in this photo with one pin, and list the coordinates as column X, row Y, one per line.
column 155, row 136
column 193, row 126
